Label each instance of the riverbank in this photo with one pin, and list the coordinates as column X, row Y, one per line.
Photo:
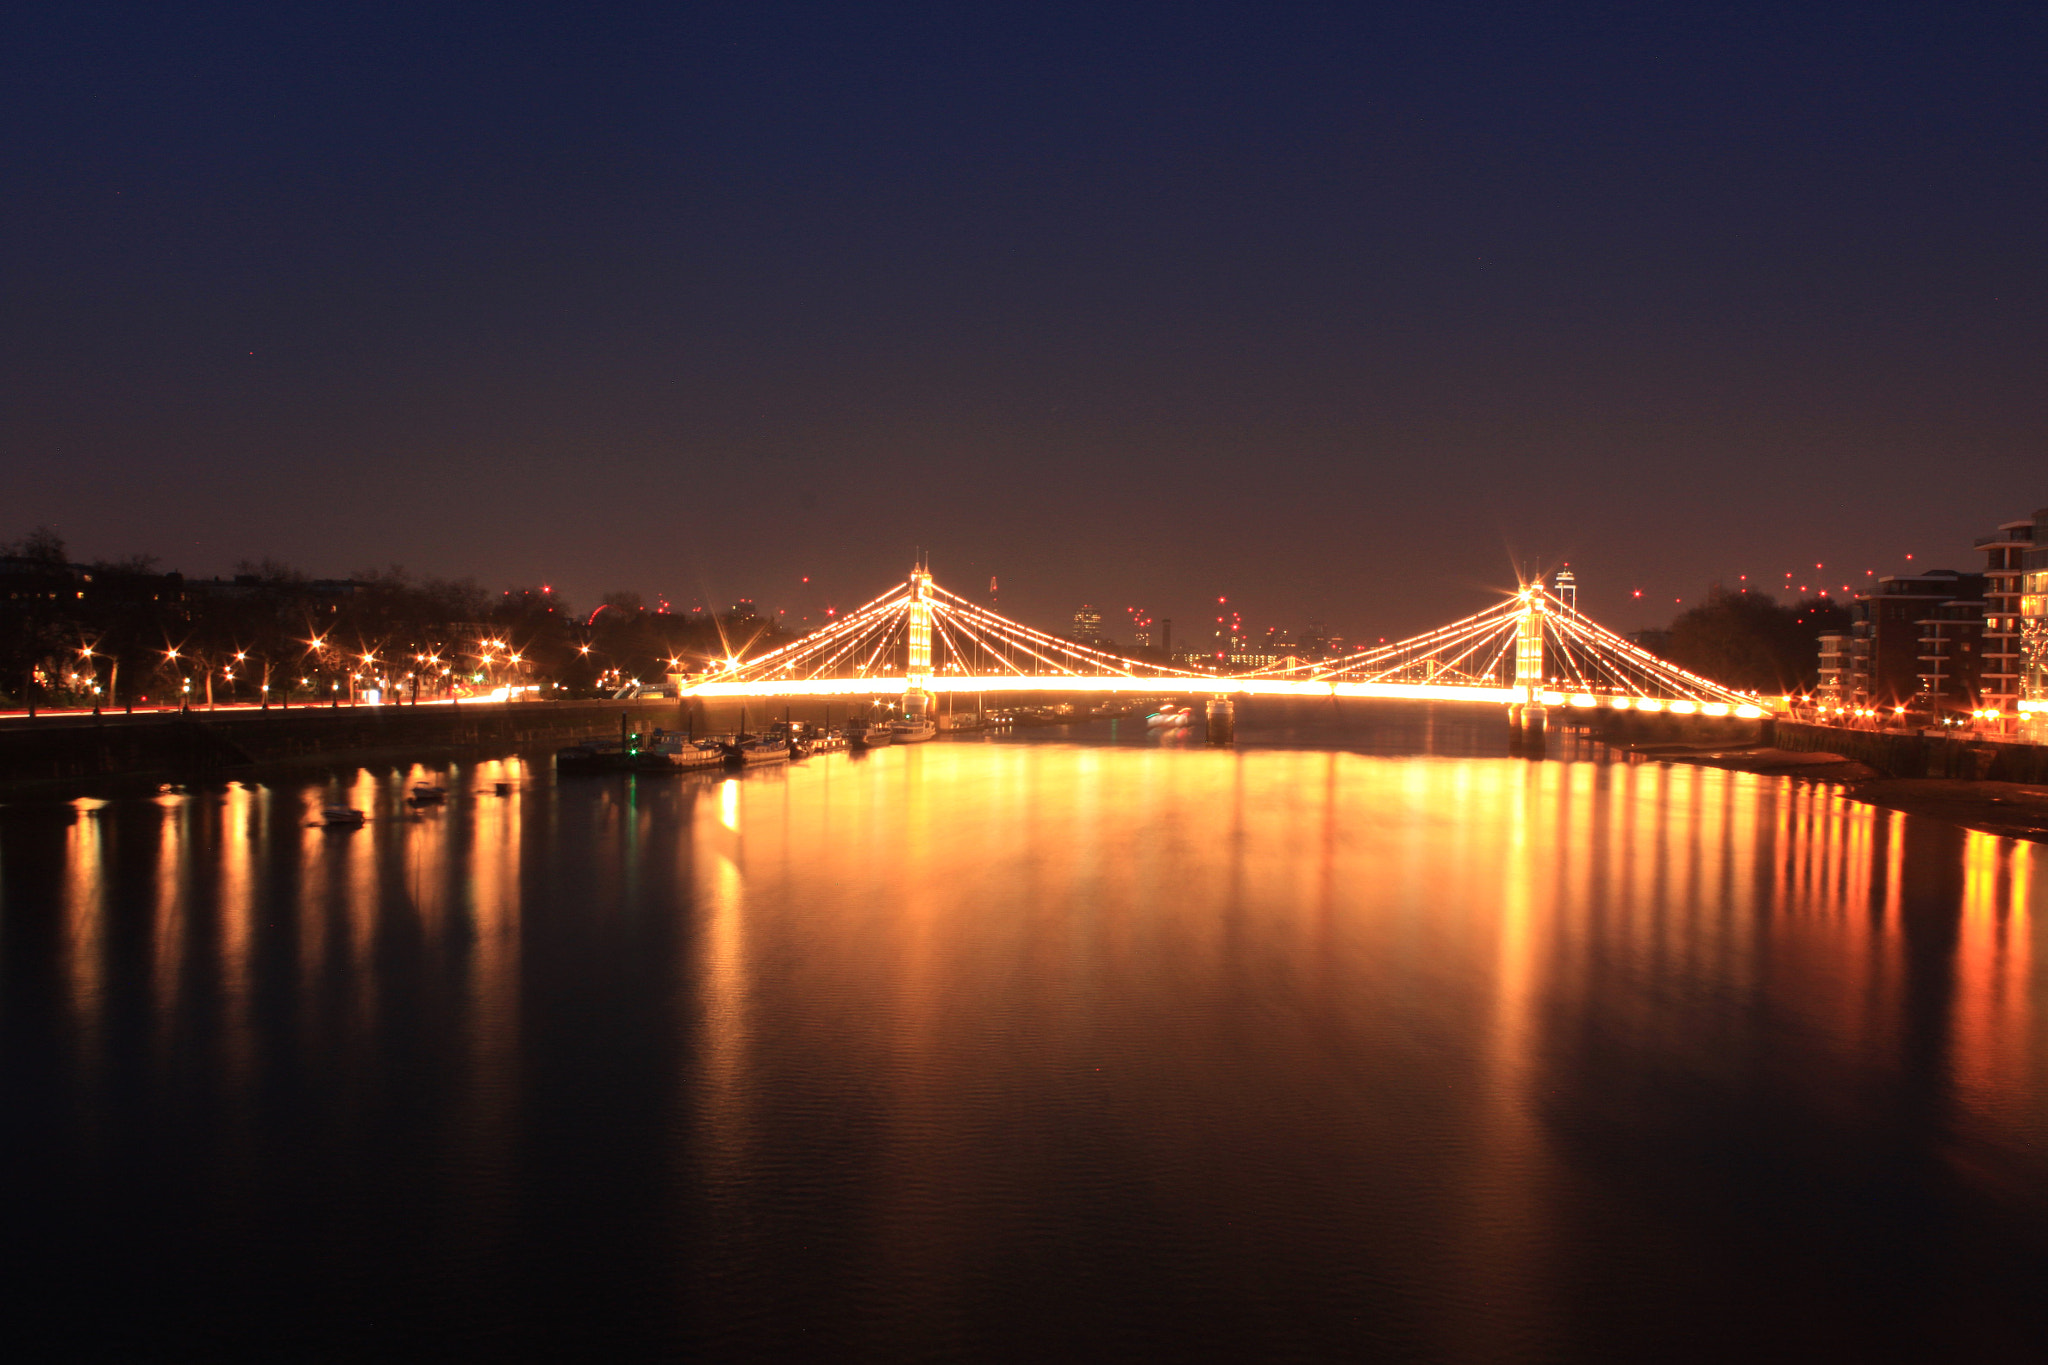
column 83, row 752
column 2014, row 810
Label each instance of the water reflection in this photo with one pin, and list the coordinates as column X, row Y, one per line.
column 1468, row 1056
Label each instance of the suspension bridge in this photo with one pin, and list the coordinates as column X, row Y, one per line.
column 1531, row 653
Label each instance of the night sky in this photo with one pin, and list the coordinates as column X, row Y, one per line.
column 1335, row 311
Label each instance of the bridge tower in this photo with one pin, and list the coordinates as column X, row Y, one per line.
column 1527, row 713
column 917, row 671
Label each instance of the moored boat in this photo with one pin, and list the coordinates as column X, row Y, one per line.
column 859, row 736
column 659, row 751
column 748, row 750
column 342, row 817
column 913, row 730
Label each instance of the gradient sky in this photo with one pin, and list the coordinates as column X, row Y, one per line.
column 1334, row 310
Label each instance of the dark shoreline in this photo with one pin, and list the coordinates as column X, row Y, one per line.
column 2013, row 810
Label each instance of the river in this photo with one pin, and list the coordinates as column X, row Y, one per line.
column 1064, row 1044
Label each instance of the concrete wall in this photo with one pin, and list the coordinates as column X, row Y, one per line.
column 1896, row 754
column 57, row 748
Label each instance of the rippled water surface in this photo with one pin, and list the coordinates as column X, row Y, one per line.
column 1027, row 1049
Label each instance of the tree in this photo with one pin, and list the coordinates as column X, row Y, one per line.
column 42, row 545
column 1746, row 640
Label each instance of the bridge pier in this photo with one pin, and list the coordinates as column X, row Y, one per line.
column 1222, row 718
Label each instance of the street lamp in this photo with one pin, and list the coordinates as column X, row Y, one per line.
column 85, row 653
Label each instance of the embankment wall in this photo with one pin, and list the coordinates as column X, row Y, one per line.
column 200, row 743
column 1897, row 754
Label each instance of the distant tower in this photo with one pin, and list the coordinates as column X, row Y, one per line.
column 1088, row 625
column 1527, row 713
column 918, row 665
column 1566, row 590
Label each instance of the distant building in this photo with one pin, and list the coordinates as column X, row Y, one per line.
column 1914, row 644
column 1565, row 588
column 1837, row 684
column 246, row 586
column 1088, row 625
column 2033, row 632
column 2005, row 550
column 83, row 586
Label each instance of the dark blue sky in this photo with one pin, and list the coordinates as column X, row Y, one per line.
column 1327, row 309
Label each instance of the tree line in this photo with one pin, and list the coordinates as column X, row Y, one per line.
column 1750, row 641
column 123, row 633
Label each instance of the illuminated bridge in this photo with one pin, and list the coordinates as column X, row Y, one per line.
column 1531, row 652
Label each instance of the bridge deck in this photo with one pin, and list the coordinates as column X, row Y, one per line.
column 1072, row 684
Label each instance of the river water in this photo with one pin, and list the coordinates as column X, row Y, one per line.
column 1061, row 1045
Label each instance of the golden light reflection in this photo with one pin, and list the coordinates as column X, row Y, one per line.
column 241, row 838
column 729, row 803
column 1992, row 1061
column 718, row 891
column 84, row 938
column 1007, row 940
column 491, row 978
column 169, row 929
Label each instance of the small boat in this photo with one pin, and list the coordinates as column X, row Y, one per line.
column 859, row 736
column 747, row 750
column 427, row 794
column 657, row 752
column 913, row 731
column 697, row 753
column 1170, row 718
column 342, row 817
column 591, row 756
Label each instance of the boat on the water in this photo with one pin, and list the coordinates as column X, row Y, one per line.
column 427, row 794
column 342, row 817
column 658, row 752
column 913, row 729
column 747, row 750
column 804, row 738
column 860, row 736
column 1170, row 718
